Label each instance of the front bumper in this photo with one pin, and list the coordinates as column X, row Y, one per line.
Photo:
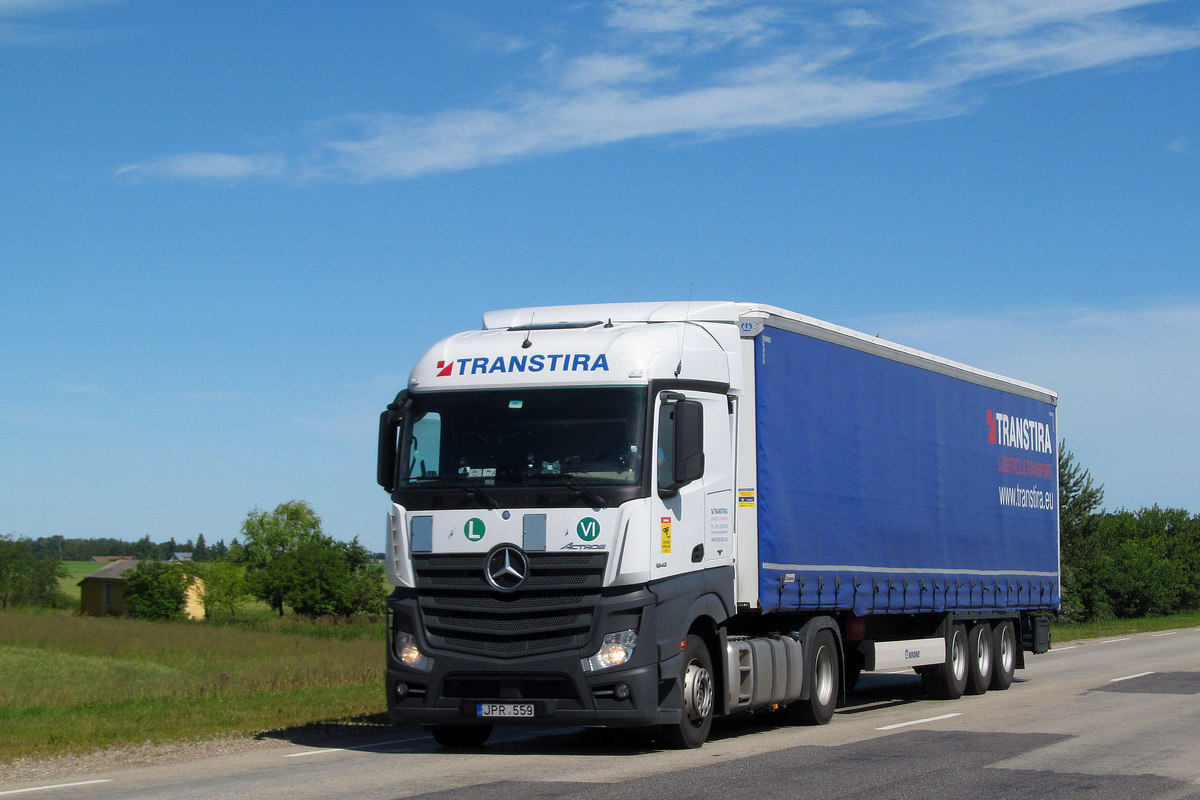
column 557, row 686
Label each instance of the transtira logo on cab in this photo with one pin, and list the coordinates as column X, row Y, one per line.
column 555, row 362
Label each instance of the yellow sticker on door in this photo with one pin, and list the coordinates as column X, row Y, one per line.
column 666, row 534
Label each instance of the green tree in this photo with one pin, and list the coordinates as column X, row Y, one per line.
column 222, row 585
column 26, row 579
column 200, row 551
column 268, row 552
column 1079, row 499
column 335, row 578
column 156, row 590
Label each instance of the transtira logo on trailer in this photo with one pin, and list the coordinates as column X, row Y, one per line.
column 1023, row 434
column 553, row 362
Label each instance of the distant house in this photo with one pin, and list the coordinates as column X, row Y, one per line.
column 103, row 592
column 182, row 557
column 106, row 559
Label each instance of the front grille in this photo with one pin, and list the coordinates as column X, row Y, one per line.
column 554, row 609
column 508, row 687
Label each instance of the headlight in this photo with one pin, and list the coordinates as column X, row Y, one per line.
column 615, row 651
column 408, row 652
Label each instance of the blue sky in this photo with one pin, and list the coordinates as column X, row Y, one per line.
column 227, row 232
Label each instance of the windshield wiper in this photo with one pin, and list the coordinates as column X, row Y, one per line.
column 574, row 484
column 475, row 491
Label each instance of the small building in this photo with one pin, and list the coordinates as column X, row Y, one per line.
column 103, row 592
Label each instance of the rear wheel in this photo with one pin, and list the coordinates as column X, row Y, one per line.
column 948, row 680
column 461, row 735
column 822, row 665
column 1004, row 655
column 699, row 694
column 979, row 658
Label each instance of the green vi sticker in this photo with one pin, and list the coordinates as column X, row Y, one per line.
column 588, row 529
column 474, row 529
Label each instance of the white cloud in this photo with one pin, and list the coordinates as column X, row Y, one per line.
column 1127, row 382
column 604, row 69
column 206, row 166
column 707, row 68
column 702, row 24
column 1179, row 145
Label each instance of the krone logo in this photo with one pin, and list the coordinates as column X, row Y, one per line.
column 507, row 568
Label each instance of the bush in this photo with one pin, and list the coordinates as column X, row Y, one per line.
column 156, row 590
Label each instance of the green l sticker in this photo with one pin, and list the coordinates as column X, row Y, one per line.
column 474, row 529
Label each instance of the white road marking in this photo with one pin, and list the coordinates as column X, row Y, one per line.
column 355, row 747
column 1110, row 641
column 1060, row 649
column 56, row 786
column 917, row 722
column 1131, row 677
column 1168, row 633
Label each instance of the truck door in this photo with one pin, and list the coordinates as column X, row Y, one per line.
column 692, row 501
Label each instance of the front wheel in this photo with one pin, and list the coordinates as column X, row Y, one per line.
column 699, row 694
column 822, row 665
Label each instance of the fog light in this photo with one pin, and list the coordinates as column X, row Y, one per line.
column 621, row 691
column 616, row 649
column 408, row 652
column 401, row 691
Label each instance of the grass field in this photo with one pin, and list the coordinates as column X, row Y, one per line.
column 80, row 683
column 76, row 571
column 1095, row 630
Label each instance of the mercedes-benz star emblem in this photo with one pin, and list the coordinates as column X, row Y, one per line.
column 507, row 567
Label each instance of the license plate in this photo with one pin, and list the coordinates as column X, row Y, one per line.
column 504, row 709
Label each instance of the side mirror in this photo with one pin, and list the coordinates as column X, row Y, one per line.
column 389, row 425
column 689, row 442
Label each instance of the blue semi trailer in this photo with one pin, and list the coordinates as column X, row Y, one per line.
column 654, row 514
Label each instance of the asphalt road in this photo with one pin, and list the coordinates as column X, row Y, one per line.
column 1111, row 719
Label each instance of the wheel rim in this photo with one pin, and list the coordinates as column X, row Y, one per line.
column 823, row 676
column 1007, row 649
column 697, row 692
column 983, row 650
column 958, row 656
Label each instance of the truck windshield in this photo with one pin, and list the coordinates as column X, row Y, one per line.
column 524, row 437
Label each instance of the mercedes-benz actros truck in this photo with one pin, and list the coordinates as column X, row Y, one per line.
column 649, row 515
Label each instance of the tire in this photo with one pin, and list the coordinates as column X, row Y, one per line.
column 1004, row 655
column 948, row 680
column 979, row 658
column 461, row 736
column 822, row 666
column 699, row 697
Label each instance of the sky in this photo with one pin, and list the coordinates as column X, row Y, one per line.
column 229, row 229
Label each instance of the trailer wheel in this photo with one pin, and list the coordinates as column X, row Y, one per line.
column 1004, row 655
column 461, row 736
column 979, row 658
column 948, row 680
column 699, row 694
column 822, row 665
